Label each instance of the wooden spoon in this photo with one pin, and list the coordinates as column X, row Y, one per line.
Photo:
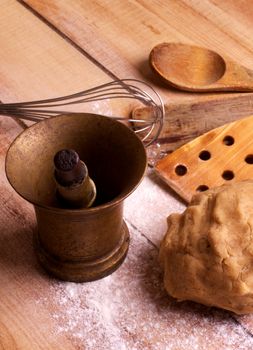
column 195, row 68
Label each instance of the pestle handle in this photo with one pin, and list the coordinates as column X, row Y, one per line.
column 75, row 189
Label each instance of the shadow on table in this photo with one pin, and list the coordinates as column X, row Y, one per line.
column 17, row 256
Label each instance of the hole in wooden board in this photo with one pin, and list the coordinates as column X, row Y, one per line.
column 181, row 170
column 249, row 159
column 228, row 140
column 228, row 175
column 205, row 155
column 202, row 188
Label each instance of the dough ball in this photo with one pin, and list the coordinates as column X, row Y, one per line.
column 207, row 252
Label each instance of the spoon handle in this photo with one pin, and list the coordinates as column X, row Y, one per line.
column 235, row 78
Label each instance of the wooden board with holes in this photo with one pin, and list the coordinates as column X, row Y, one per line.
column 222, row 155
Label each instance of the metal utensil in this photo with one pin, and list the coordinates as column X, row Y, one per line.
column 148, row 130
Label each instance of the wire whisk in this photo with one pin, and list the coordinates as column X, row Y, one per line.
column 148, row 130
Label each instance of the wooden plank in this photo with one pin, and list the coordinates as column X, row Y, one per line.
column 187, row 120
column 24, row 324
column 141, row 25
column 221, row 156
column 126, row 310
column 37, row 63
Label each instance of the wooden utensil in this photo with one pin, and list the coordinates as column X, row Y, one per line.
column 222, row 155
column 195, row 68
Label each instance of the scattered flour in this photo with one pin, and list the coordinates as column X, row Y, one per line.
column 129, row 310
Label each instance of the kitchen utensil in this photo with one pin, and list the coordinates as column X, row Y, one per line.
column 88, row 243
column 221, row 156
column 195, row 68
column 148, row 130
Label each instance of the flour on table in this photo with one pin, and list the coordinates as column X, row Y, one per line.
column 129, row 310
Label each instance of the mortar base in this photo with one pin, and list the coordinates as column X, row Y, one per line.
column 83, row 270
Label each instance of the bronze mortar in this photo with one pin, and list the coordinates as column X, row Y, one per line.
column 78, row 244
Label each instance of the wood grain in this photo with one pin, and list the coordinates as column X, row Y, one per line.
column 141, row 25
column 188, row 120
column 24, row 324
column 197, row 69
column 38, row 312
column 37, row 63
column 57, row 48
column 67, row 18
column 223, row 155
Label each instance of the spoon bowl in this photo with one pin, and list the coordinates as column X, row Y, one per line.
column 194, row 68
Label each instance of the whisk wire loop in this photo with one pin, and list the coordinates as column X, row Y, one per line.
column 148, row 130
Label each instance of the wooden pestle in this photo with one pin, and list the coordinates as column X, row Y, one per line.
column 75, row 189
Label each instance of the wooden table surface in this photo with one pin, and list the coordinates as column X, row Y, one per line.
column 55, row 47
